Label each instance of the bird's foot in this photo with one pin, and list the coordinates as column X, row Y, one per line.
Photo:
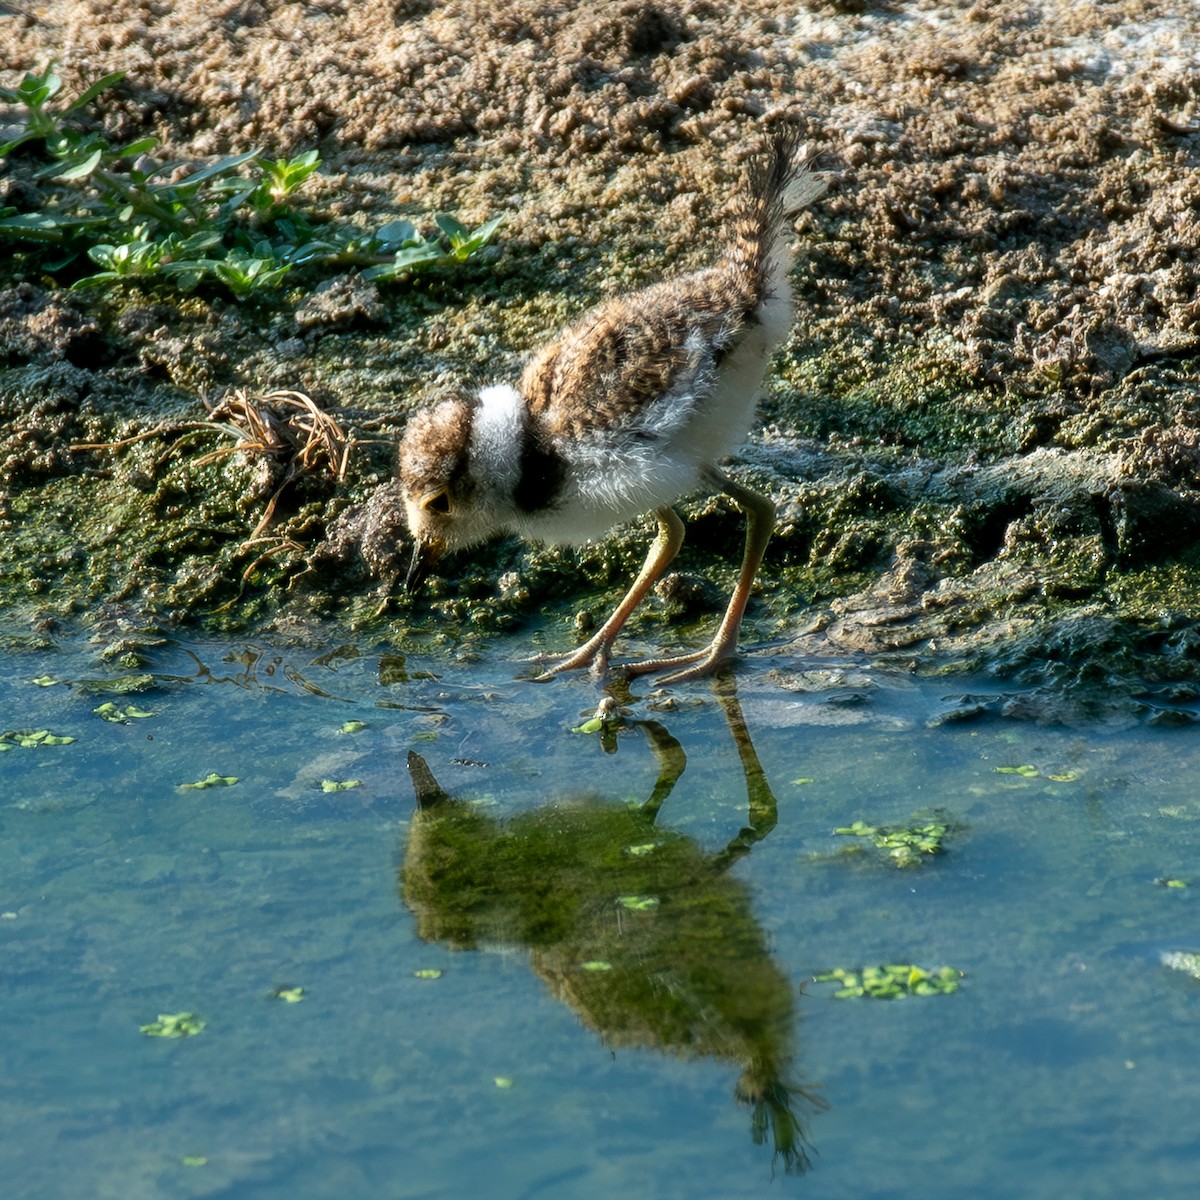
column 592, row 656
column 700, row 664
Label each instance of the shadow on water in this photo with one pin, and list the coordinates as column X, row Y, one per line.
column 645, row 935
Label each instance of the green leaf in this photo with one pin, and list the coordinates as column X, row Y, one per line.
column 593, row 726
column 428, row 973
column 488, row 230
column 92, row 91
column 223, row 166
column 353, row 726
column 194, row 1160
column 288, row 994
column 638, row 903
column 452, row 227
column 503, row 1081
column 596, row 964
column 8, row 147
column 134, row 149
column 1026, row 772
column 397, row 233
column 35, row 90
column 82, row 168
column 333, row 785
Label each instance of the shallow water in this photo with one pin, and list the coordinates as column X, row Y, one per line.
column 633, row 966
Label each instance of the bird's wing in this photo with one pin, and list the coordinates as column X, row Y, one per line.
column 636, row 361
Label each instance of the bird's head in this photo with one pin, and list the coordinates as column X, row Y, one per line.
column 446, row 504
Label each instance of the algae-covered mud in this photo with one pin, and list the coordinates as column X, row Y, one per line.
column 984, row 435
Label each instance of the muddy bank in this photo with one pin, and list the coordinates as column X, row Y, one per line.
column 985, row 429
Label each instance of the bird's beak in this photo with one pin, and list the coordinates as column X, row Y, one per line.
column 424, row 557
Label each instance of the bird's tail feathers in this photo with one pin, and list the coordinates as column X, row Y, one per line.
column 778, row 186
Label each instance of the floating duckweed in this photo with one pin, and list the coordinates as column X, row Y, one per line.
column 30, row 739
column 1185, row 961
column 333, row 785
column 1026, row 772
column 503, row 1081
column 1064, row 777
column 1172, row 883
column 353, row 726
column 109, row 711
column 45, row 681
column 643, row 849
column 194, row 1160
column 904, row 844
column 174, row 1025
column 212, row 779
column 802, row 781
column 428, row 973
column 892, row 981
column 288, row 994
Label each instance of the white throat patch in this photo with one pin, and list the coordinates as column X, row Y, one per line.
column 496, row 433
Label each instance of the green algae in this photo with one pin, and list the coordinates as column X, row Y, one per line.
column 882, row 451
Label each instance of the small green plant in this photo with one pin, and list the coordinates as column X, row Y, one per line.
column 175, row 1025
column 904, row 845
column 212, row 779
column 339, row 785
column 235, row 222
column 891, row 982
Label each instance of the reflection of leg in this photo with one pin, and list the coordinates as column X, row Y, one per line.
column 594, row 652
column 671, row 763
column 761, row 804
column 760, row 524
column 763, row 807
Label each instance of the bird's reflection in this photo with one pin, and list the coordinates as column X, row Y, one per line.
column 641, row 931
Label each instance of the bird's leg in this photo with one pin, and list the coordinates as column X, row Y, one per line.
column 594, row 652
column 760, row 524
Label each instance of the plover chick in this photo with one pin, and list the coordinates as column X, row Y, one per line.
column 626, row 411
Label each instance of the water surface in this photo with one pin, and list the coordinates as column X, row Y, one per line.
column 626, row 927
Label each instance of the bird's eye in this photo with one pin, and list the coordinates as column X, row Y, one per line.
column 438, row 503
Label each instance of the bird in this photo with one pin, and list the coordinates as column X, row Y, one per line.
column 629, row 409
